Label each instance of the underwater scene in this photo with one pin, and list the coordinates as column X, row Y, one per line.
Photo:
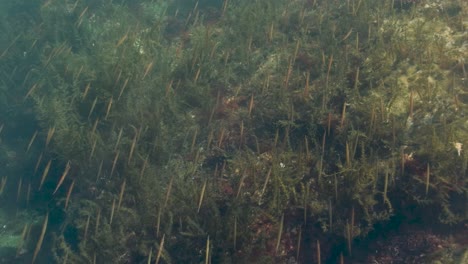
column 234, row 131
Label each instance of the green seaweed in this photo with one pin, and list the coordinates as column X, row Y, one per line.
column 330, row 119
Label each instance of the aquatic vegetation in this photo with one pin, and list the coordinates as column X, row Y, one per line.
column 211, row 133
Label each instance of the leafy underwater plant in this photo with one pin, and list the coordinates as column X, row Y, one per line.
column 242, row 134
